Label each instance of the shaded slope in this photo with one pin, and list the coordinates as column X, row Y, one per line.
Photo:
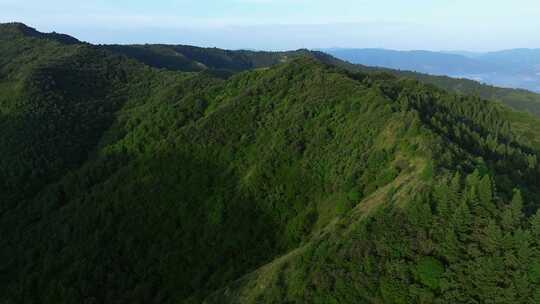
column 56, row 102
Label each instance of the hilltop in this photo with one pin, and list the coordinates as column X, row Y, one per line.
column 17, row 29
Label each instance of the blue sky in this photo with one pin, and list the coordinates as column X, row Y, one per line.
column 476, row 25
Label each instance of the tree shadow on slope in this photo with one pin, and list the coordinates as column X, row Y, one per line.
column 156, row 231
column 57, row 118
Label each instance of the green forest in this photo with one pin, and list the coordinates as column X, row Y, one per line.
column 177, row 174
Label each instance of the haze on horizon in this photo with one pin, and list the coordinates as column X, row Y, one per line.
column 481, row 25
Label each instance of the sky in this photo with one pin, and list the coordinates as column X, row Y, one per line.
column 473, row 25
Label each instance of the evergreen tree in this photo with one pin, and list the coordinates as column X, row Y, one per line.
column 513, row 213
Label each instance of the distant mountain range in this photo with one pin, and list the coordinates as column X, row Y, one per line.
column 517, row 68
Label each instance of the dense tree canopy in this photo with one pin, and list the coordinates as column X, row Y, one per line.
column 299, row 180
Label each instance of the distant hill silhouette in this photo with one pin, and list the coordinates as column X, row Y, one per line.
column 519, row 68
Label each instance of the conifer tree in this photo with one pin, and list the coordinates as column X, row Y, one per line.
column 513, row 213
column 454, row 191
column 442, row 198
column 535, row 226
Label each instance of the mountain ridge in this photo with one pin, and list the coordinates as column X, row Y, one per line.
column 19, row 28
column 224, row 62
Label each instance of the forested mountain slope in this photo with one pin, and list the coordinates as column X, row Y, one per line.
column 190, row 58
column 57, row 99
column 304, row 182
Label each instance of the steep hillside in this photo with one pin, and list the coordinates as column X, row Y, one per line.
column 304, row 182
